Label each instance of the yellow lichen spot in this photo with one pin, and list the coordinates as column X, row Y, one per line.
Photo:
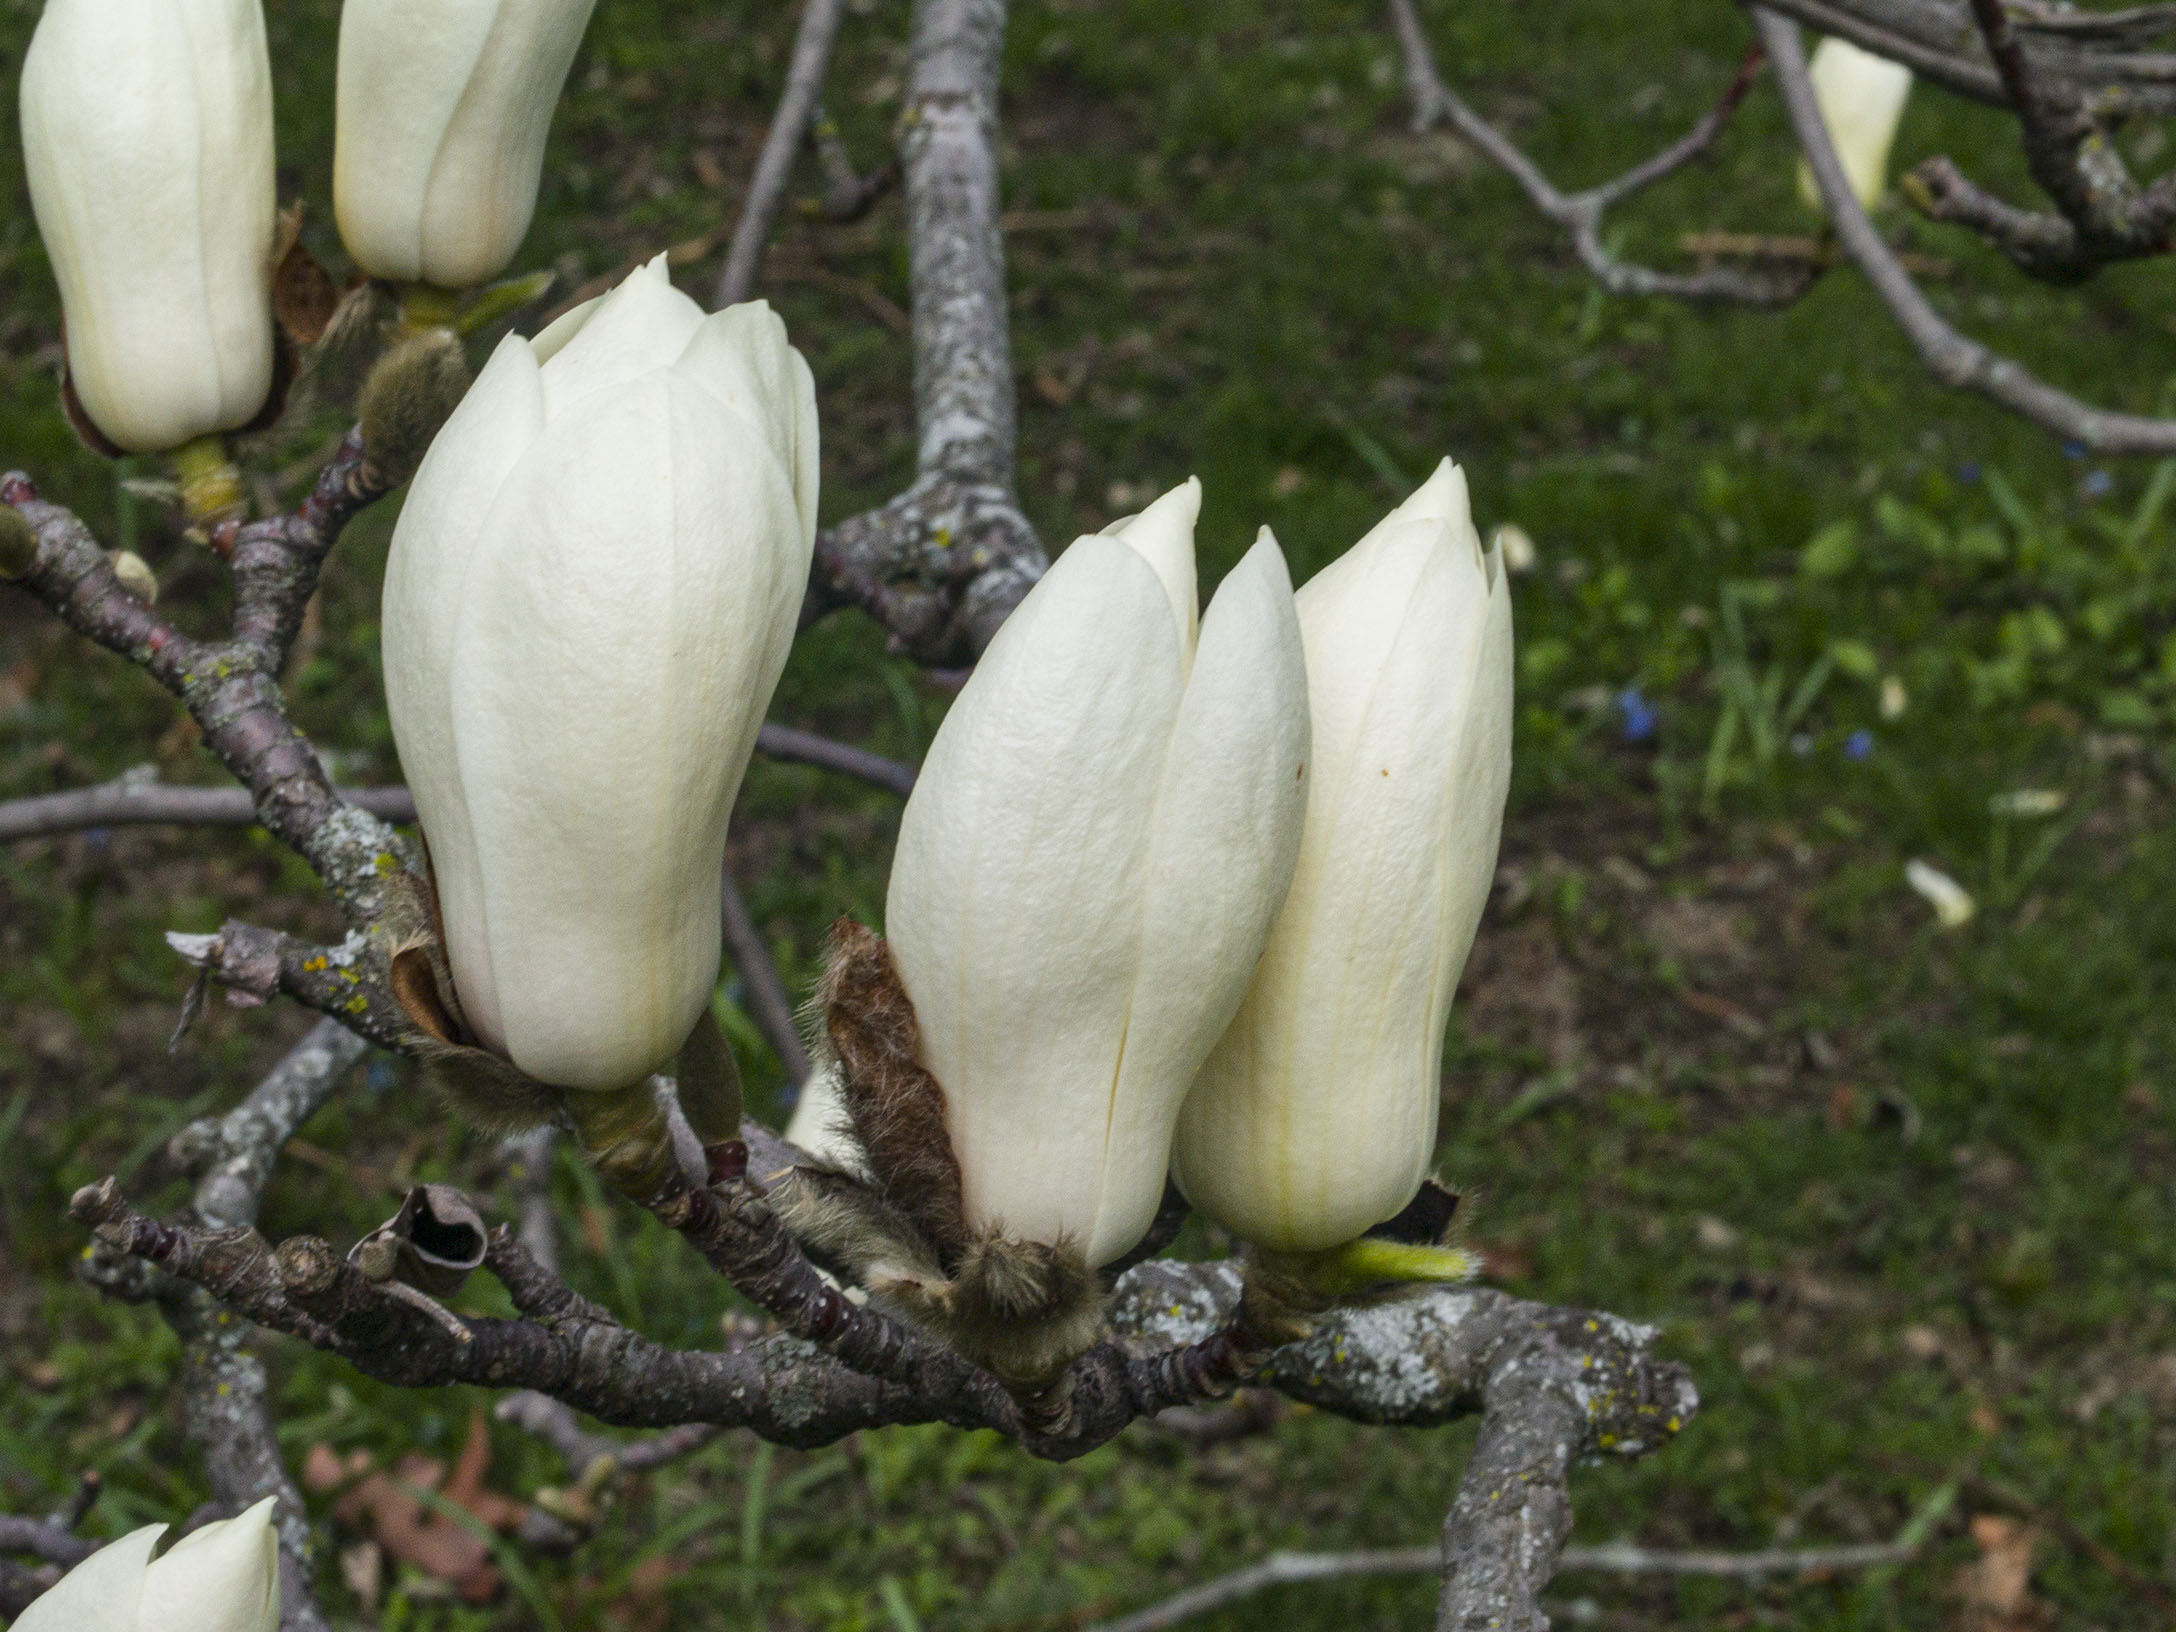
column 1674, row 1425
column 225, row 1389
column 1594, row 1325
column 358, row 1004
column 1606, row 1441
column 314, row 964
column 383, row 863
column 944, row 538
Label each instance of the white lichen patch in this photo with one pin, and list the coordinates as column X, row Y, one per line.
column 1156, row 1309
column 1399, row 1361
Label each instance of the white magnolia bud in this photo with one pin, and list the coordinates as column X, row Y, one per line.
column 224, row 1577
column 147, row 135
column 589, row 598
column 1861, row 98
column 1101, row 832
column 440, row 116
column 1315, row 1117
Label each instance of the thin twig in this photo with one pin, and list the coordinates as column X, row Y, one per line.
column 1957, row 361
column 137, row 799
column 764, row 993
column 1621, row 1558
column 1581, row 213
column 812, row 43
column 558, row 1427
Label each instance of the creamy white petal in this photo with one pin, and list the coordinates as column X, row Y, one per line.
column 1164, row 534
column 147, row 138
column 601, row 724
column 102, row 1594
column 224, row 1577
column 741, row 355
column 1014, row 912
column 403, row 68
column 484, row 178
column 442, row 111
column 434, row 548
column 1861, row 97
column 1224, row 838
column 640, row 327
column 1315, row 1116
column 549, row 341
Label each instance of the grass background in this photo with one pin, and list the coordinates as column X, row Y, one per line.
column 1901, row 1197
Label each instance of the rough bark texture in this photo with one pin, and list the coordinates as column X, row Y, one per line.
column 942, row 565
column 1951, row 357
column 1941, row 41
column 231, row 687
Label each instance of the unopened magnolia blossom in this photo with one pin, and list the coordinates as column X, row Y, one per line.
column 441, row 111
column 589, row 599
column 147, row 135
column 224, row 1577
column 1861, row 97
column 1315, row 1117
column 1103, row 827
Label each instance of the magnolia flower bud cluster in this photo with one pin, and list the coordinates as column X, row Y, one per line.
column 147, row 136
column 223, row 1577
column 1198, row 899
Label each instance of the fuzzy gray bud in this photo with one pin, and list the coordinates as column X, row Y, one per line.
column 407, row 397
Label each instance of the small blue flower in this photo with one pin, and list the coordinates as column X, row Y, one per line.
column 1640, row 716
column 2098, row 483
column 1859, row 745
column 1969, row 471
column 2073, row 449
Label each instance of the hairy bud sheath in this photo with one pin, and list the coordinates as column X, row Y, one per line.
column 224, row 1577
column 588, row 601
column 1315, row 1117
column 440, row 116
column 1087, row 867
column 1861, row 97
column 147, row 136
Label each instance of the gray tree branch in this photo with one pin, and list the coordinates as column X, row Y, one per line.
column 812, row 43
column 941, row 565
column 1581, row 213
column 2105, row 216
column 1426, row 1358
column 231, row 688
column 1939, row 40
column 1954, row 359
column 136, row 798
column 225, row 1407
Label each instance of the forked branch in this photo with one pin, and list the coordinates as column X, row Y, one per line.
column 1953, row 358
column 1581, row 213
